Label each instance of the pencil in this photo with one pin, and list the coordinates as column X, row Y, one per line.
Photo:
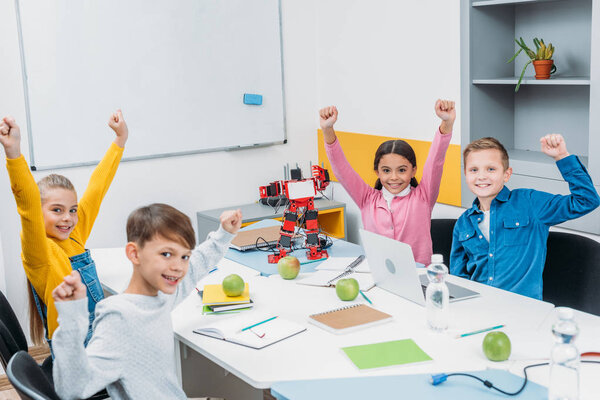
column 480, row 331
column 258, row 323
column 365, row 296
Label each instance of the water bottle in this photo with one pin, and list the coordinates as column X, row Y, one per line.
column 564, row 359
column 437, row 297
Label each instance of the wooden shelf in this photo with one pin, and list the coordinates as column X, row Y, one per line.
column 566, row 81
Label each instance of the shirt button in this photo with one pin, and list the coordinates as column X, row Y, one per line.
column 491, row 255
column 517, row 224
column 478, row 219
column 480, row 236
column 467, row 236
column 491, row 279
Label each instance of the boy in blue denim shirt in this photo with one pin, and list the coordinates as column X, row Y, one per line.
column 501, row 239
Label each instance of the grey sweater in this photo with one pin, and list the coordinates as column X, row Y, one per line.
column 131, row 352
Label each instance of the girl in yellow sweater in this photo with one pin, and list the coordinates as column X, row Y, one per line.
column 55, row 226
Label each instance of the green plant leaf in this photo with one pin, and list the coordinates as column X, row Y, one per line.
column 515, row 56
column 521, row 77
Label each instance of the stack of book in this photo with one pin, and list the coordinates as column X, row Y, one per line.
column 215, row 301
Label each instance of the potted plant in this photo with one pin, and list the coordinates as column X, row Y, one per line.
column 541, row 58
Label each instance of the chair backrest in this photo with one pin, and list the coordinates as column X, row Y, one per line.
column 10, row 321
column 572, row 272
column 28, row 379
column 8, row 346
column 441, row 237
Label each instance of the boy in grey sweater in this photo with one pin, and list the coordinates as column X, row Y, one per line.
column 131, row 352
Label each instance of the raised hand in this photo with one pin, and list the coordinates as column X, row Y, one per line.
column 328, row 117
column 117, row 124
column 554, row 145
column 10, row 137
column 70, row 289
column 445, row 110
column 231, row 220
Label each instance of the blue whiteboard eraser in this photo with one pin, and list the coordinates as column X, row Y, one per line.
column 253, row 99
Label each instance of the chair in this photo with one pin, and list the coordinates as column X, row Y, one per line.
column 441, row 237
column 572, row 272
column 12, row 337
column 28, row 379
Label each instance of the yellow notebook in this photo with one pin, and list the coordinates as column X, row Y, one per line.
column 214, row 295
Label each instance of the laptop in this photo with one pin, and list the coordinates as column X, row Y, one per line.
column 394, row 269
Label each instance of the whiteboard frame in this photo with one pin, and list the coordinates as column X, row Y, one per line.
column 144, row 157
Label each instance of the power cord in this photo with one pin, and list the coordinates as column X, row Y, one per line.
column 439, row 378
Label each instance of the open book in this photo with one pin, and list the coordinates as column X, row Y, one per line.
column 247, row 329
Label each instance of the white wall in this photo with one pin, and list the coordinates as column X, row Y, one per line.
column 190, row 183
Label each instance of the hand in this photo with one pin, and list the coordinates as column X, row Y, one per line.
column 231, row 220
column 117, row 124
column 554, row 146
column 328, row 117
column 445, row 110
column 70, row 289
column 10, row 137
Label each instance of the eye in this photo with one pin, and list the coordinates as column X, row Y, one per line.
column 186, row 257
column 491, row 169
column 166, row 254
column 473, row 170
column 402, row 170
column 57, row 210
column 73, row 211
column 386, row 170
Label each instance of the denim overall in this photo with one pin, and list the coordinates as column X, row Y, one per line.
column 83, row 264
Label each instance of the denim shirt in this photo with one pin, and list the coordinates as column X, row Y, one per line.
column 520, row 219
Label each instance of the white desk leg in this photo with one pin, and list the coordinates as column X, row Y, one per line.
column 178, row 362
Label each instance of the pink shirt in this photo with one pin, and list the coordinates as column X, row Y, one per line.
column 409, row 220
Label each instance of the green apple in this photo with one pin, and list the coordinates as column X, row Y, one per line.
column 233, row 285
column 347, row 289
column 496, row 346
column 288, row 267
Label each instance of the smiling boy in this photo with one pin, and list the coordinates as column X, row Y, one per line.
column 131, row 352
column 501, row 239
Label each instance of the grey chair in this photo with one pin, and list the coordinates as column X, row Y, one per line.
column 572, row 272
column 441, row 237
column 28, row 379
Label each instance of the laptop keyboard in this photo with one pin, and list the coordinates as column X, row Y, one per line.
column 425, row 289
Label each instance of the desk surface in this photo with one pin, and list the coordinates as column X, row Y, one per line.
column 316, row 354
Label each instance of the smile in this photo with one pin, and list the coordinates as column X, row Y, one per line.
column 171, row 280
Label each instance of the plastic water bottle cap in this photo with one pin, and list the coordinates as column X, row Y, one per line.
column 564, row 312
column 437, row 258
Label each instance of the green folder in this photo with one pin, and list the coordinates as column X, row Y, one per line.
column 384, row 354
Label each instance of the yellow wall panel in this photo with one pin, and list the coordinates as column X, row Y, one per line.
column 360, row 150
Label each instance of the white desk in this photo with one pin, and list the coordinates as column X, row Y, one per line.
column 315, row 354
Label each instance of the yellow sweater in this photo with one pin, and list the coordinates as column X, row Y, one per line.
column 46, row 260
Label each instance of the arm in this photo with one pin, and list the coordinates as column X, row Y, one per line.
column 434, row 165
column 101, row 178
column 34, row 243
column 80, row 372
column 458, row 256
column 349, row 179
column 554, row 209
column 208, row 253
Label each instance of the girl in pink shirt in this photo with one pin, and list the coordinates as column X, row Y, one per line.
column 397, row 207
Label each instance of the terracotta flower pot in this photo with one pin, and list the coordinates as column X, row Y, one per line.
column 543, row 68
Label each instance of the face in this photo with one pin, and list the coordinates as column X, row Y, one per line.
column 485, row 173
column 59, row 208
column 160, row 265
column 395, row 172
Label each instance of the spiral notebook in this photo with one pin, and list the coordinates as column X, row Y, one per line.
column 349, row 318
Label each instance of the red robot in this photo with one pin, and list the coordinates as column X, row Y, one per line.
column 301, row 194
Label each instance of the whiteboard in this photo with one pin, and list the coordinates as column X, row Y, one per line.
column 178, row 69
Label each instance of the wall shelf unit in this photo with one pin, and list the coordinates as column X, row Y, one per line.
column 565, row 104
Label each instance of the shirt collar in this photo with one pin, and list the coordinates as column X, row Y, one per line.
column 502, row 196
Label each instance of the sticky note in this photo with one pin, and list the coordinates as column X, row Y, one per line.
column 252, row 99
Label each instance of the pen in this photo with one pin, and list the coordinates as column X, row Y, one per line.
column 480, row 331
column 258, row 323
column 213, row 270
column 365, row 296
column 312, row 261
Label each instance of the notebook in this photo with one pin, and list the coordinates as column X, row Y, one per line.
column 214, row 295
column 329, row 278
column 263, row 335
column 350, row 318
column 253, row 238
column 385, row 354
